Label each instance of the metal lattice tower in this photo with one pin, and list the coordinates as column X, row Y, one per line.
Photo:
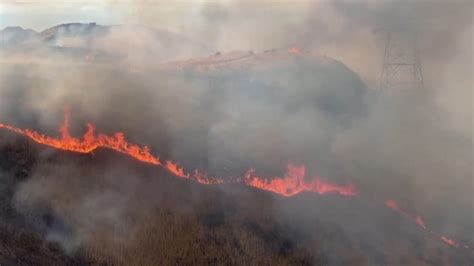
column 401, row 62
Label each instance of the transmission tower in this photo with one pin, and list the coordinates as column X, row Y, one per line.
column 401, row 62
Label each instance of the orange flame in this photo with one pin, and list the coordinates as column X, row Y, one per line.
column 450, row 241
column 89, row 142
column 294, row 50
column 177, row 171
column 394, row 206
column 420, row 222
column 295, row 183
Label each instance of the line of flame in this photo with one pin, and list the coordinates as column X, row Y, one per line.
column 420, row 222
column 291, row 184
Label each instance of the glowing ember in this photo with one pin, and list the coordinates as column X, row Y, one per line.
column 394, row 206
column 450, row 241
column 420, row 222
column 294, row 50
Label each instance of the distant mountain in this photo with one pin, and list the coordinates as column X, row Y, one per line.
column 17, row 35
column 93, row 42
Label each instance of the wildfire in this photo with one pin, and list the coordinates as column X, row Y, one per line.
column 416, row 218
column 420, row 222
column 292, row 183
column 450, row 241
column 394, row 206
column 295, row 183
column 294, row 50
column 177, row 171
column 89, row 142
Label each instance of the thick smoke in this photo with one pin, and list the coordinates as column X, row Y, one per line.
column 258, row 113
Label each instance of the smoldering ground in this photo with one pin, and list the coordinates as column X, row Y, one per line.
column 313, row 111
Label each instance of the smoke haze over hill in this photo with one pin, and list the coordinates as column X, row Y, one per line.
column 224, row 87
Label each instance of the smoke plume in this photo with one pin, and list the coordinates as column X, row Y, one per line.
column 322, row 108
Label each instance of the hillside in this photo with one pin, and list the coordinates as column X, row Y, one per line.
column 105, row 132
column 88, row 42
column 168, row 221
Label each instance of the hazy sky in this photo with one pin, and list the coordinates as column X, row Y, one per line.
column 42, row 14
column 39, row 15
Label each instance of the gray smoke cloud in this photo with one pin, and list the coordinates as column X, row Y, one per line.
column 322, row 109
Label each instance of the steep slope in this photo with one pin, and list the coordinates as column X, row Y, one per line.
column 222, row 114
column 162, row 219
